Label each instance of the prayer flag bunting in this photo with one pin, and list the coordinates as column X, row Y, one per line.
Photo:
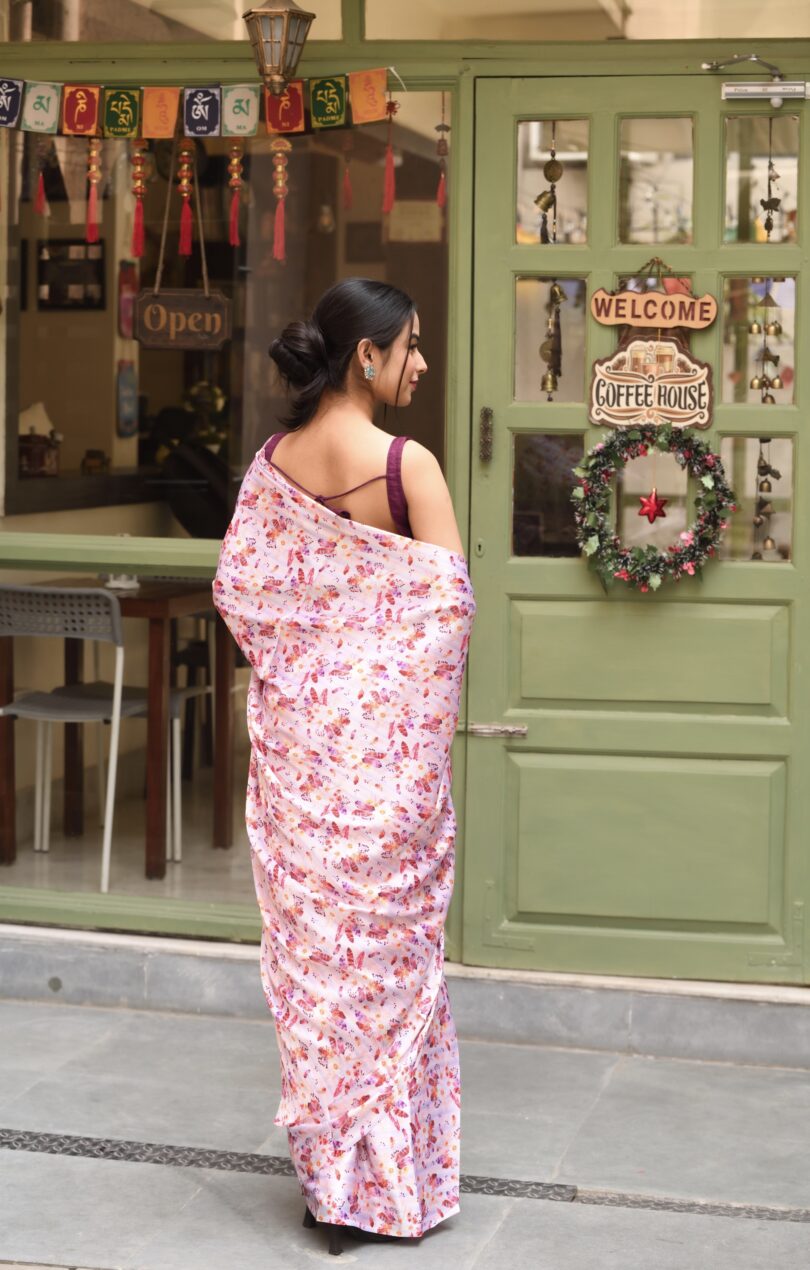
column 159, row 112
column 240, row 110
column 11, row 95
column 80, row 103
column 327, row 101
column 201, row 111
column 367, row 91
column 40, row 112
column 285, row 113
column 122, row 112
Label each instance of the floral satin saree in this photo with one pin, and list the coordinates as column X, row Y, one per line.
column 357, row 639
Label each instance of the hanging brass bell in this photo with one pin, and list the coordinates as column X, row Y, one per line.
column 757, row 383
column 755, row 328
column 549, row 382
column 776, row 382
column 773, row 328
column 545, row 201
column 765, row 487
column 768, row 544
column 768, row 400
column 556, row 294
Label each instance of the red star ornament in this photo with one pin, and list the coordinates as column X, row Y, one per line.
column 652, row 506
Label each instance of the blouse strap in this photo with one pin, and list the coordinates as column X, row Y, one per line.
column 272, row 443
column 397, row 501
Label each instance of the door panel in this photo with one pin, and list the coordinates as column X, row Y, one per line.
column 653, row 818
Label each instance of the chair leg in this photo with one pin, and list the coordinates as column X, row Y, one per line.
column 39, row 785
column 169, row 805
column 188, row 739
column 100, row 770
column 45, row 834
column 177, row 790
column 112, row 770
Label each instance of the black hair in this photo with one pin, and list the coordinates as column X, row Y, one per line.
column 314, row 355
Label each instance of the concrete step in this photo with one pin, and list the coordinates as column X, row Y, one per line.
column 721, row 1022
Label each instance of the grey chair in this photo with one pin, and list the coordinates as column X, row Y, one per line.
column 87, row 614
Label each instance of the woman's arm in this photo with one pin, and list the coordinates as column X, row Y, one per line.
column 430, row 507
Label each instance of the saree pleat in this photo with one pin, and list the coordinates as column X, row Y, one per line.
column 357, row 639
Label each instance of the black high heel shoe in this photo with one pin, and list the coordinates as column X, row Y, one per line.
column 335, row 1235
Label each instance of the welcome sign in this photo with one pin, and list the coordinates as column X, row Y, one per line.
column 654, row 309
column 651, row 381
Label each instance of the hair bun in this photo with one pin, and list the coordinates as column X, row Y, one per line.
column 300, row 353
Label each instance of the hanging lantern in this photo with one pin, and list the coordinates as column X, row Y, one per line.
column 237, row 153
column 185, row 170
column 138, row 157
column 278, row 30
column 93, row 178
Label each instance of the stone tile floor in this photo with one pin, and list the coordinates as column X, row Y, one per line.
column 678, row 1165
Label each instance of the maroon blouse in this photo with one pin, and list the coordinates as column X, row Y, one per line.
column 397, row 502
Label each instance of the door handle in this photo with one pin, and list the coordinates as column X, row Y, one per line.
column 485, row 434
column 496, row 729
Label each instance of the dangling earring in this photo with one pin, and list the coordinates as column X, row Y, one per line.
column 369, row 371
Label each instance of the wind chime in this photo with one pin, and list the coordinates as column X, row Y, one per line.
column 768, row 325
column 772, row 203
column 442, row 150
column 763, row 507
column 546, row 202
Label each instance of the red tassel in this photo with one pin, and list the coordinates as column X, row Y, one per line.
column 91, row 234
column 348, row 193
column 279, row 243
column 186, row 224
column 234, row 225
column 40, row 204
column 138, row 230
column 389, row 188
column 441, row 191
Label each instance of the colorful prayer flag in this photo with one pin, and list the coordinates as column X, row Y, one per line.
column 285, row 113
column 202, row 109
column 122, row 112
column 327, row 101
column 240, row 110
column 159, row 112
column 80, row 109
column 11, row 95
column 40, row 112
column 367, row 90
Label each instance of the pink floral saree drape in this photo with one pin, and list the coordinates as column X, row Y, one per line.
column 357, row 639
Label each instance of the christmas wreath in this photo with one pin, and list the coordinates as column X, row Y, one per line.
column 646, row 567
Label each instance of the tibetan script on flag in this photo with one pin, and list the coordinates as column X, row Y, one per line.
column 40, row 112
column 367, row 91
column 11, row 95
column 285, row 113
column 240, row 110
column 80, row 103
column 327, row 101
column 122, row 112
column 201, row 112
column 159, row 112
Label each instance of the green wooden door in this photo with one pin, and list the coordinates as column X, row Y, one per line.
column 654, row 817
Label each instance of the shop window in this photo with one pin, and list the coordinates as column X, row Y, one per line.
column 635, row 481
column 105, row 21
column 542, row 511
column 760, row 471
column 655, row 180
column 561, row 215
column 759, row 356
column 550, row 327
column 119, row 422
column 762, row 178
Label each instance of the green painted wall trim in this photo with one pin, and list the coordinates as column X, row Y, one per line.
column 101, row 553
column 236, row 923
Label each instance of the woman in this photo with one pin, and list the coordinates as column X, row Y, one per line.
column 354, row 611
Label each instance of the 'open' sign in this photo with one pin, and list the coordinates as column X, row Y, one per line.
column 182, row 319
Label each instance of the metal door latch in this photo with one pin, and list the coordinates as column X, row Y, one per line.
column 496, row 729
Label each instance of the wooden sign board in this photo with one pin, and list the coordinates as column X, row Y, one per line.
column 186, row 319
column 654, row 309
column 651, row 381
